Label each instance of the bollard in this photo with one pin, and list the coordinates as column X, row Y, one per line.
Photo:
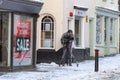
column 96, row 60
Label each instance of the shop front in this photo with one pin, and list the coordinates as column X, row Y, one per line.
column 18, row 34
column 107, row 31
column 81, row 51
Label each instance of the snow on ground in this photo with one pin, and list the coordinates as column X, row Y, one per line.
column 109, row 69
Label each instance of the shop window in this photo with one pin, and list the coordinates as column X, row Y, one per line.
column 47, row 32
column 105, row 29
column 4, row 38
column 112, row 31
column 99, row 30
column 22, row 49
column 78, row 29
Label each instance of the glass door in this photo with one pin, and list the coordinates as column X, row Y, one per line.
column 78, row 33
column 4, row 29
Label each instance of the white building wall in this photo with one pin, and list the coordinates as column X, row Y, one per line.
column 59, row 10
column 90, row 13
column 67, row 8
column 54, row 8
column 110, row 4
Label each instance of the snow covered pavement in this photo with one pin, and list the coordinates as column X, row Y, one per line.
column 109, row 69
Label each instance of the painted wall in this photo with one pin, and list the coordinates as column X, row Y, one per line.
column 60, row 13
column 110, row 4
column 53, row 8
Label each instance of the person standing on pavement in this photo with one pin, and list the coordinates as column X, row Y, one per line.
column 66, row 40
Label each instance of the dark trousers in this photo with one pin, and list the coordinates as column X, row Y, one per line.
column 66, row 57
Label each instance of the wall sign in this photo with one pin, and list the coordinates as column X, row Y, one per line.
column 81, row 13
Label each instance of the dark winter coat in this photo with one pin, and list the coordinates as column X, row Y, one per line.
column 67, row 39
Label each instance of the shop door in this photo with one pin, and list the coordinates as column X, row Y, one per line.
column 4, row 22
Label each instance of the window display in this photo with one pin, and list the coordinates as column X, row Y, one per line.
column 22, row 40
column 99, row 30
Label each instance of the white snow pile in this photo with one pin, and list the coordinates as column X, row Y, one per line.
column 109, row 69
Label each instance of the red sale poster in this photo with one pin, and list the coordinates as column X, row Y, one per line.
column 22, row 47
column 22, row 39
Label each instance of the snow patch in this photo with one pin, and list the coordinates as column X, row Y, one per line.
column 109, row 69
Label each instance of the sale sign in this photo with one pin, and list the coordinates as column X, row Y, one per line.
column 22, row 39
column 22, row 44
column 23, row 28
column 22, row 47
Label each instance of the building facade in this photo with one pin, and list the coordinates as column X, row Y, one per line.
column 17, row 34
column 107, row 27
column 92, row 28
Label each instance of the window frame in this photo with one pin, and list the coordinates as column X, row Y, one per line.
column 51, row 30
column 113, row 31
column 81, row 25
